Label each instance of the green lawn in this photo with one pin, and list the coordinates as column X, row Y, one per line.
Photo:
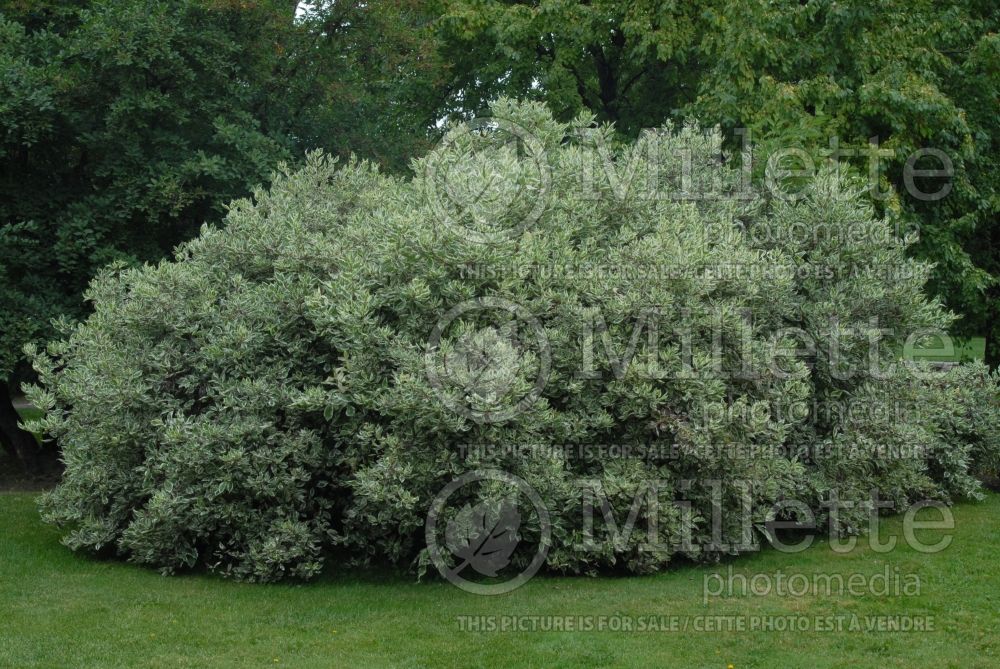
column 965, row 349
column 64, row 610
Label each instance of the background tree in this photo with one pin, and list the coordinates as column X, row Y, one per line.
column 911, row 74
column 126, row 124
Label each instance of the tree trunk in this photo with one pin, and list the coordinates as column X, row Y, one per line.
column 18, row 443
column 992, row 355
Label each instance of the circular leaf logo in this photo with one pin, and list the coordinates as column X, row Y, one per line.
column 488, row 359
column 481, row 538
column 488, row 179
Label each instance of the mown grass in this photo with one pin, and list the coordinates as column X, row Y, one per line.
column 65, row 610
column 964, row 349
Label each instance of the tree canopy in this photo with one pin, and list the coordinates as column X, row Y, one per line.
column 910, row 75
column 127, row 124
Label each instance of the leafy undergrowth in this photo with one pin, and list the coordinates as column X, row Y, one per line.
column 61, row 609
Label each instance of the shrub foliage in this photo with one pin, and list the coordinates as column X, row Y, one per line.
column 301, row 382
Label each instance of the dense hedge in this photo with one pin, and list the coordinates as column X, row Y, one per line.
column 303, row 381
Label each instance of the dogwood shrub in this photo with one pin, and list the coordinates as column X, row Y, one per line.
column 302, row 381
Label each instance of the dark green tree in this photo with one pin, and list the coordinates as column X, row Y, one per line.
column 914, row 75
column 126, row 124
